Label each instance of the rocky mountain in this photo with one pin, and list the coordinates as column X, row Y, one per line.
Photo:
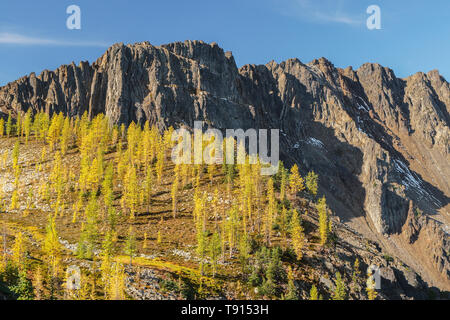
column 379, row 143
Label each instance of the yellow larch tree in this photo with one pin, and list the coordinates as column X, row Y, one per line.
column 297, row 235
column 296, row 183
column 324, row 223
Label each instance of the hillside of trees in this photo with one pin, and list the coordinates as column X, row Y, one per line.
column 105, row 209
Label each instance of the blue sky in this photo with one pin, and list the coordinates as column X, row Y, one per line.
column 415, row 35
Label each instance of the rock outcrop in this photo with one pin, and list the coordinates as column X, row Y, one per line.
column 378, row 142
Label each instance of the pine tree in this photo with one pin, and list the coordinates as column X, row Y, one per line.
column 324, row 223
column 89, row 229
column 214, row 251
column 27, row 123
column 283, row 182
column 106, row 259
column 77, row 207
column 56, row 176
column 159, row 237
column 53, row 132
column 201, row 248
column 38, row 284
column 14, row 200
column 107, row 187
column 19, row 252
column 23, row 290
column 295, row 181
column 2, row 127
column 43, row 124
column 160, row 165
column 52, row 247
column 284, row 223
column 19, row 124
column 356, row 272
column 244, row 250
column 148, row 186
column 130, row 245
column 311, row 183
column 271, row 210
column 15, row 162
column 65, row 136
column 144, row 244
column 117, row 286
column 174, row 191
column 297, row 235
column 201, row 231
column 292, row 293
column 9, row 126
column 313, row 294
column 131, row 196
column 232, row 225
column 340, row 291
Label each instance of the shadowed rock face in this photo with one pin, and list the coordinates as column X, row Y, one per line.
column 377, row 141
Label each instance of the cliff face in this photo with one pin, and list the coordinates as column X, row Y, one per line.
column 378, row 142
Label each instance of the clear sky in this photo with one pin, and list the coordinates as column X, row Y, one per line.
column 415, row 35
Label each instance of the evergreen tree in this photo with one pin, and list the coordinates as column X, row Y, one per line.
column 27, row 123
column 130, row 245
column 356, row 272
column 65, row 136
column 19, row 252
column 14, row 200
column 174, row 191
column 148, row 186
column 323, row 220
column 117, row 285
column 9, row 126
column 131, row 196
column 107, row 187
column 23, row 290
column 297, row 235
column 311, row 183
column 106, row 260
column 292, row 293
column 244, row 251
column 214, row 251
column 52, row 247
column 340, row 291
column 313, row 294
column 270, row 211
column 283, row 182
column 2, row 127
column 295, row 181
column 89, row 233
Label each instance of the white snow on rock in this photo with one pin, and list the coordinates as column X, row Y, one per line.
column 365, row 107
column 315, row 142
column 410, row 180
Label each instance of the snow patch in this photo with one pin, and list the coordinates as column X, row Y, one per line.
column 365, row 107
column 315, row 142
column 411, row 180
